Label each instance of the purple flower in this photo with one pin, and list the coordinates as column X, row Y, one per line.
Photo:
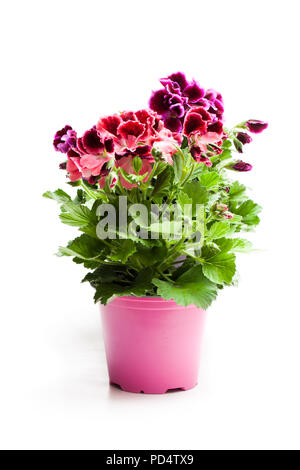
column 178, row 78
column 241, row 166
column 256, row 126
column 244, row 138
column 179, row 97
column 65, row 139
column 193, row 92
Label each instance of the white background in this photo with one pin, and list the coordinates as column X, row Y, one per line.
column 70, row 62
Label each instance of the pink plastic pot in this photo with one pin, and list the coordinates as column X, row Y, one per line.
column 152, row 345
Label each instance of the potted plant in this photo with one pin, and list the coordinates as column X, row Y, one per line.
column 160, row 221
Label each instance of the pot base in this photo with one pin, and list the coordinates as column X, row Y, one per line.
column 151, row 391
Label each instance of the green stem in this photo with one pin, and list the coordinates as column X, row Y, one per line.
column 87, row 190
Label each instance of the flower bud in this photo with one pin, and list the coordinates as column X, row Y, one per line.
column 240, row 166
column 244, row 138
column 228, row 215
column 221, row 207
column 256, row 126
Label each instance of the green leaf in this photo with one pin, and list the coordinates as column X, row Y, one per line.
column 190, row 288
column 177, row 166
column 161, row 166
column 210, row 180
column 131, row 178
column 81, row 197
column 89, row 264
column 226, row 144
column 137, row 164
column 107, row 273
column 183, row 199
column 84, row 247
column 225, row 155
column 237, row 192
column 59, row 195
column 196, row 192
column 76, row 215
column 218, row 230
column 149, row 255
column 139, row 287
column 124, row 251
column 163, row 182
column 234, row 244
column 238, row 145
column 249, row 210
column 184, row 143
column 220, row 268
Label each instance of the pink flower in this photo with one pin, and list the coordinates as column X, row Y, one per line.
column 199, row 124
column 109, row 125
column 73, row 166
column 131, row 132
column 91, row 165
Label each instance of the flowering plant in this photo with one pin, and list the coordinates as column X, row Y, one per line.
column 158, row 212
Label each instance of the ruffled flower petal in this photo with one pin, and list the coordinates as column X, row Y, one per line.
column 131, row 131
column 179, row 78
column 65, row 139
column 193, row 124
column 193, row 92
column 158, row 102
column 110, row 124
column 92, row 143
column 174, row 124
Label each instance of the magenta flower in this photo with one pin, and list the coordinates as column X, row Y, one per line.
column 199, row 157
column 256, row 126
column 179, row 97
column 193, row 92
column 241, row 166
column 92, row 143
column 131, row 131
column 193, row 124
column 179, row 78
column 159, row 102
column 244, row 138
column 110, row 125
column 65, row 139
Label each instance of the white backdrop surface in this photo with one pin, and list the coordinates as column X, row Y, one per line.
column 70, row 62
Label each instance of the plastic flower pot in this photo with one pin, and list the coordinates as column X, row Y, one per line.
column 152, row 345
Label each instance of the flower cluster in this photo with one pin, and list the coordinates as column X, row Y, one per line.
column 116, row 139
column 182, row 109
column 189, row 109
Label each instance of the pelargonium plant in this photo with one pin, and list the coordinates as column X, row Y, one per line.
column 158, row 210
